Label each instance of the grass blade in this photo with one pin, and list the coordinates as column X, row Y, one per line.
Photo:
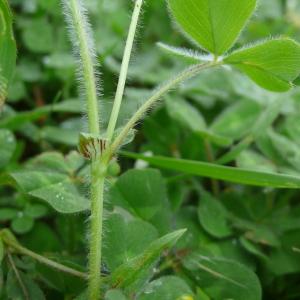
column 230, row 174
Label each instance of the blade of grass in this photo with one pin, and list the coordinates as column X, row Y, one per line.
column 231, row 174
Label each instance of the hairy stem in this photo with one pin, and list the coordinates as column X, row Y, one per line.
column 85, row 46
column 43, row 260
column 97, row 191
column 83, row 43
column 158, row 93
column 124, row 70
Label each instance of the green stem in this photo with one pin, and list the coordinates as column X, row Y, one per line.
column 87, row 64
column 82, row 41
column 19, row 279
column 184, row 75
column 96, row 223
column 124, row 70
column 43, row 260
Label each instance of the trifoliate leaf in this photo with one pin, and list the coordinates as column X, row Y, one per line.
column 272, row 64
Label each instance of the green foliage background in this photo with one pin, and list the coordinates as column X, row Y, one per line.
column 239, row 228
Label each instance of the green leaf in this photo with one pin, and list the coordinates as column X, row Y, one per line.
column 63, row 197
column 265, row 145
column 38, row 35
column 252, row 248
column 272, row 64
column 114, row 295
column 167, row 288
column 267, row 117
column 32, row 180
column 60, row 61
column 83, row 295
column 252, row 160
column 61, row 281
column 292, row 128
column 259, row 233
column 288, row 150
column 42, row 238
column 214, row 25
column 235, row 150
column 136, row 271
column 22, row 224
column 195, row 235
column 7, row 214
column 237, row 120
column 8, row 50
column 35, row 211
column 168, row 132
column 142, row 192
column 65, row 136
column 15, row 121
column 14, row 290
column 185, row 113
column 228, row 248
column 285, row 260
column 223, row 279
column 213, row 216
column 125, row 239
column 230, row 174
column 8, row 145
column 201, row 295
column 188, row 116
column 146, row 184
column 54, row 188
column 56, row 162
column 264, row 121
